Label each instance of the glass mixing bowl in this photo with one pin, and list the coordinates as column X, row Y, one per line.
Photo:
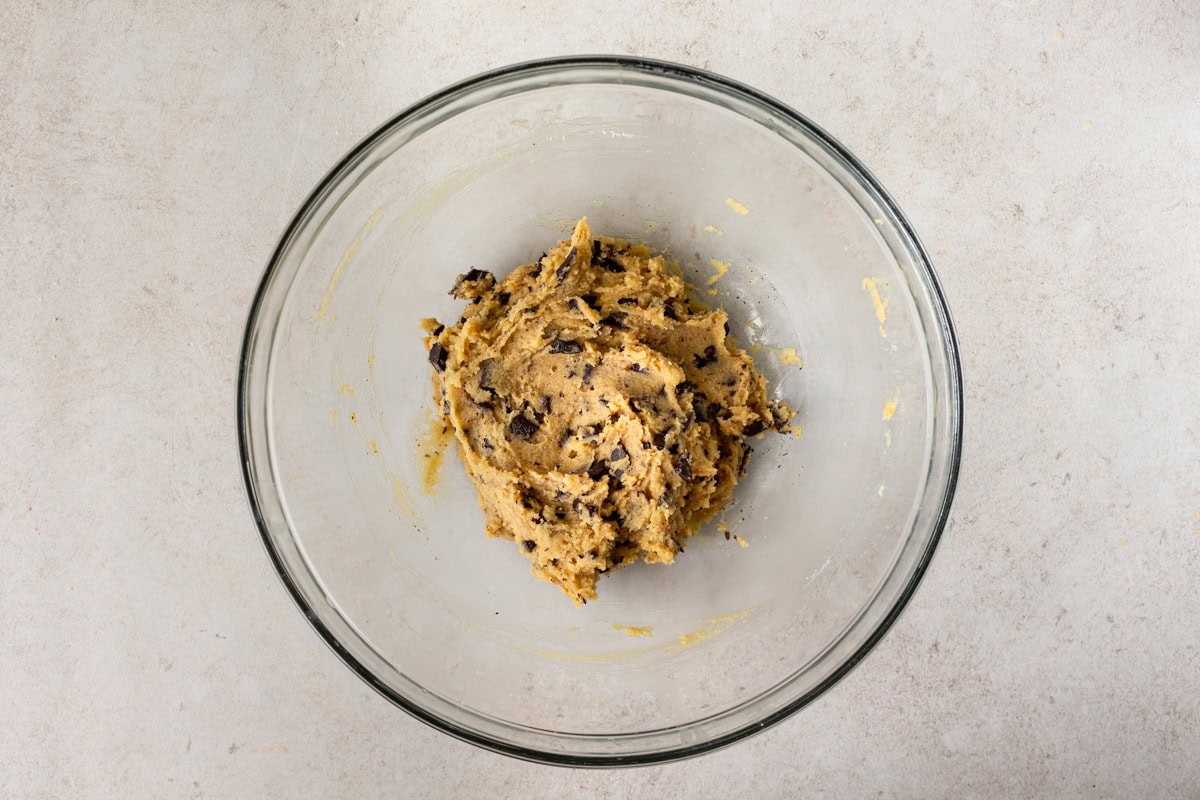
column 380, row 540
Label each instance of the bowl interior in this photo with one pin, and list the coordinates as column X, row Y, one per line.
column 376, row 527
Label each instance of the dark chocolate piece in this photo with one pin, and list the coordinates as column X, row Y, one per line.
column 487, row 374
column 616, row 319
column 744, row 460
column 437, row 356
column 472, row 276
column 565, row 266
column 522, row 427
column 709, row 357
column 565, row 346
column 683, row 467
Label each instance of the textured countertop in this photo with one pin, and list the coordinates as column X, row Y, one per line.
column 150, row 155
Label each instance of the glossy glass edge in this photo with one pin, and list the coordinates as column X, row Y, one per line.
column 721, row 85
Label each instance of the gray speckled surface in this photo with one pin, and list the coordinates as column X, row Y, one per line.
column 1048, row 156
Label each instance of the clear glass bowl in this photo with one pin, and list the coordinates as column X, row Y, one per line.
column 836, row 526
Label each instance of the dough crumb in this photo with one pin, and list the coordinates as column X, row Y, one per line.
column 601, row 416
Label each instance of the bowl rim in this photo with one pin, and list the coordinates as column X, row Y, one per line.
column 684, row 74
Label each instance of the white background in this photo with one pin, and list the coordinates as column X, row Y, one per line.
column 1047, row 153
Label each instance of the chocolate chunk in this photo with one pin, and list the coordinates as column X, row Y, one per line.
column 627, row 301
column 588, row 431
column 779, row 419
column 438, row 330
column 522, row 427
column 618, row 453
column 709, row 357
column 473, row 276
column 669, row 311
column 565, row 346
column 545, row 404
column 616, row 319
column 744, row 460
column 486, row 405
column 529, row 546
column 487, row 375
column 616, row 473
column 573, row 304
column 700, row 406
column 684, row 386
column 504, row 297
column 587, row 372
column 592, row 302
column 597, row 470
column 610, row 264
column 683, row 467
column 565, row 266
column 437, row 356
column 659, row 440
column 638, row 368
column 754, row 428
column 577, row 506
column 596, row 245
column 537, row 270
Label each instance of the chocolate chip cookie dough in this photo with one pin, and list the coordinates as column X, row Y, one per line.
column 600, row 415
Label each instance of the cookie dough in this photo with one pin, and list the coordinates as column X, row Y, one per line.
column 600, row 414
